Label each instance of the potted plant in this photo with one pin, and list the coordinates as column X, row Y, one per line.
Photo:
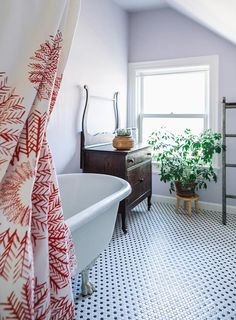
column 123, row 139
column 186, row 160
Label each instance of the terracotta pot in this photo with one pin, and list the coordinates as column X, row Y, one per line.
column 123, row 142
column 188, row 190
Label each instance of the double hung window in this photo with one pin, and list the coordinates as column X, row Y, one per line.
column 174, row 94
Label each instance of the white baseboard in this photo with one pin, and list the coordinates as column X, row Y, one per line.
column 203, row 204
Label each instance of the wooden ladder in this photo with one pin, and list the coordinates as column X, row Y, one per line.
column 225, row 165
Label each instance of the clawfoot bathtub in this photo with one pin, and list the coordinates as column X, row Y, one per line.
column 90, row 204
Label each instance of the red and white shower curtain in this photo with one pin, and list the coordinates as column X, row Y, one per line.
column 36, row 252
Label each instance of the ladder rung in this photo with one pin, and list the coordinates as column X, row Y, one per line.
column 230, row 196
column 230, row 105
column 230, row 135
column 230, row 165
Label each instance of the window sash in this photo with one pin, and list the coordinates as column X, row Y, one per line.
column 140, row 97
column 173, row 115
column 139, row 69
column 169, row 116
column 180, row 70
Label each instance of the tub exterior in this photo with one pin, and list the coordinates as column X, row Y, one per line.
column 90, row 204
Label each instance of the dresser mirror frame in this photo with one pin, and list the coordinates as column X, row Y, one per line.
column 100, row 138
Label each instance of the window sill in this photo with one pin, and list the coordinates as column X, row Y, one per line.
column 156, row 170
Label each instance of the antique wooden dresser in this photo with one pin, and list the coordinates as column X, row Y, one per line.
column 134, row 165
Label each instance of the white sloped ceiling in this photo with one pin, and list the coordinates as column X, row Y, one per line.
column 217, row 15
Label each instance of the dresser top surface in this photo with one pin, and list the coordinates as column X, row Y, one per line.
column 109, row 148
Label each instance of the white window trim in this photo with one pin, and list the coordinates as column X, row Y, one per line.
column 191, row 64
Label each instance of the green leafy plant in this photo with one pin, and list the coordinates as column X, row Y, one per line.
column 123, row 132
column 186, row 158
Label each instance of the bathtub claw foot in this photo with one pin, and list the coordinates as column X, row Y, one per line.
column 87, row 288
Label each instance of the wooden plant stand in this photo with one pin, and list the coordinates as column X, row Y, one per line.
column 187, row 203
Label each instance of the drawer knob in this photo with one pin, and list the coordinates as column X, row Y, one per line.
column 131, row 160
column 141, row 179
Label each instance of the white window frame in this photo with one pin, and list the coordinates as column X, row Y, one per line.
column 136, row 69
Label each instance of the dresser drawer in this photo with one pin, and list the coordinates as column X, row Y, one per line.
column 135, row 158
column 139, row 178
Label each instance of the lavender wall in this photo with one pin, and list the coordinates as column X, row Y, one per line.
column 98, row 58
column 166, row 34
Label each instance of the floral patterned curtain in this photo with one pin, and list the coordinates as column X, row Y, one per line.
column 36, row 251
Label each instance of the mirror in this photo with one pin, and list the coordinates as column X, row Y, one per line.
column 100, row 116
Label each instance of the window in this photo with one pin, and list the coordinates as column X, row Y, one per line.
column 175, row 94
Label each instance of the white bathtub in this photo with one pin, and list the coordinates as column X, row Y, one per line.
column 90, row 204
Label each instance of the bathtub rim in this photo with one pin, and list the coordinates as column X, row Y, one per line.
column 90, row 213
